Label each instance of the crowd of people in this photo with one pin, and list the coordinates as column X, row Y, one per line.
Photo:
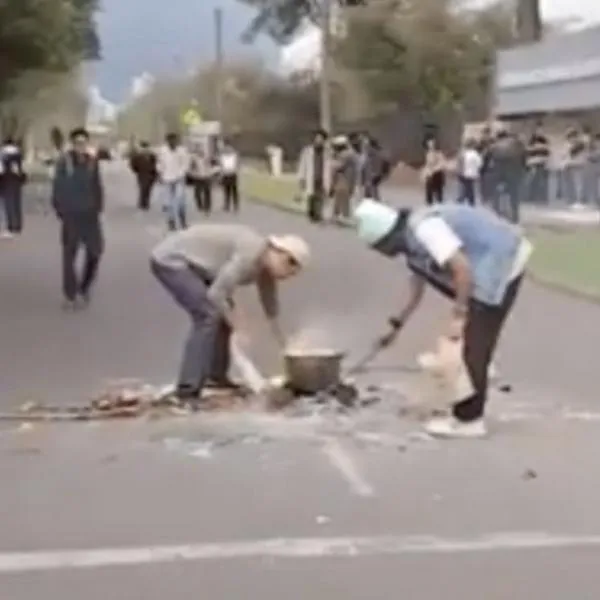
column 173, row 167
column 340, row 169
column 503, row 168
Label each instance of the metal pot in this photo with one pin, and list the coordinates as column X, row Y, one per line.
column 313, row 371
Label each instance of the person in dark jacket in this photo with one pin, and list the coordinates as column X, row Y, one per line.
column 376, row 168
column 78, row 200
column 143, row 165
column 12, row 179
column 508, row 157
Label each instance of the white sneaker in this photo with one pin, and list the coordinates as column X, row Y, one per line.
column 577, row 206
column 6, row 235
column 450, row 427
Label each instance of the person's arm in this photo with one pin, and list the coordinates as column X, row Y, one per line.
column 445, row 248
column 269, row 300
column 98, row 187
column 57, row 187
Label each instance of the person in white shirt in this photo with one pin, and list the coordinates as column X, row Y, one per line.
column 229, row 165
column 172, row 166
column 470, row 163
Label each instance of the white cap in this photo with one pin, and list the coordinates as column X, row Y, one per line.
column 340, row 140
column 293, row 245
column 374, row 220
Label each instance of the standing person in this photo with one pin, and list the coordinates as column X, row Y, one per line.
column 472, row 257
column 538, row 156
column 12, row 179
column 344, row 177
column 469, row 171
column 173, row 165
column 508, row 156
column 143, row 163
column 573, row 172
column 376, row 168
column 484, row 147
column 229, row 164
column 78, row 201
column 434, row 173
column 594, row 165
column 201, row 174
column 315, row 175
column 202, row 268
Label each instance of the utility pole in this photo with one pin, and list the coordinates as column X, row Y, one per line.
column 326, row 65
column 218, row 25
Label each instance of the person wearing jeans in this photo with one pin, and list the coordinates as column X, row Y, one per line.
column 201, row 268
column 469, row 170
column 173, row 165
column 472, row 257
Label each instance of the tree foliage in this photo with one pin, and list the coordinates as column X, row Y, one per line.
column 259, row 107
column 44, row 35
column 425, row 54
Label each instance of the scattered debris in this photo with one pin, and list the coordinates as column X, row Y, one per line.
column 323, row 520
column 529, row 474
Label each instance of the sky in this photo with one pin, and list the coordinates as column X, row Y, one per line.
column 588, row 10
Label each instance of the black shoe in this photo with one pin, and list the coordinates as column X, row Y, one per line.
column 222, row 383
column 188, row 397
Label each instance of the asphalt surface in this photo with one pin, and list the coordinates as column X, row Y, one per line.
column 324, row 506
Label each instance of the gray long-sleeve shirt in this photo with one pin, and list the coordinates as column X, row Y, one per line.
column 227, row 256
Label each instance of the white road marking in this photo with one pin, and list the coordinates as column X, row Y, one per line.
column 567, row 415
column 342, row 461
column 290, row 548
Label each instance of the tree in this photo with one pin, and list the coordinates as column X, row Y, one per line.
column 44, row 35
column 423, row 54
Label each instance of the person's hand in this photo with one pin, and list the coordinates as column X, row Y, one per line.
column 389, row 338
column 456, row 328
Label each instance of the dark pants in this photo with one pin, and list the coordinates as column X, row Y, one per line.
column 315, row 204
column 13, row 207
column 231, row 198
column 484, row 324
column 78, row 232
column 487, row 185
column 206, row 350
column 434, row 188
column 506, row 201
column 203, row 194
column 538, row 180
column 145, row 186
column 371, row 189
column 467, row 190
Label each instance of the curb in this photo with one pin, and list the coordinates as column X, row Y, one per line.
column 561, row 288
column 536, row 279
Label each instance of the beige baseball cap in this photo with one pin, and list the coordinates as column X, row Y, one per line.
column 293, row 245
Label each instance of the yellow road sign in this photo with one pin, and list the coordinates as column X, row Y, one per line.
column 191, row 117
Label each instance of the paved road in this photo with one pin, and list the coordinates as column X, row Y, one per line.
column 323, row 506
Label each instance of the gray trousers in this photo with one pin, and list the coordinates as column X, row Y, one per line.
column 206, row 350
